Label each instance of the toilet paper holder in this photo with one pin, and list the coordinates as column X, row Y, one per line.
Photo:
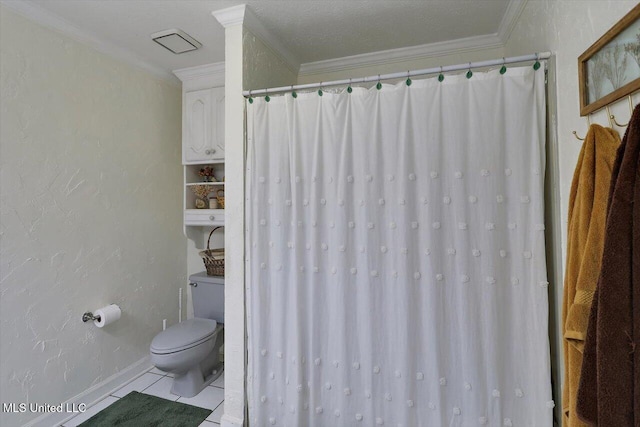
column 88, row 316
column 104, row 316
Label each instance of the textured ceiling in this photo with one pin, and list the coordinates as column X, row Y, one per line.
column 310, row 30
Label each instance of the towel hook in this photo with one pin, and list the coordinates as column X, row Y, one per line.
column 612, row 117
column 575, row 133
column 609, row 116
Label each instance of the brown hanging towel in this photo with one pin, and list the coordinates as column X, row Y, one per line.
column 609, row 388
column 585, row 243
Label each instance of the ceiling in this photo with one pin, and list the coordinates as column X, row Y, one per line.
column 310, row 30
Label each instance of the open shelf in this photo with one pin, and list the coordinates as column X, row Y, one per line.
column 190, row 184
column 196, row 221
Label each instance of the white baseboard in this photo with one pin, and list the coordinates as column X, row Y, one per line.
column 229, row 421
column 94, row 394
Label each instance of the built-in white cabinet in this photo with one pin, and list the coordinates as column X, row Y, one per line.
column 202, row 149
column 203, row 126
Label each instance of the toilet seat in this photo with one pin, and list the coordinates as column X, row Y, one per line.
column 183, row 336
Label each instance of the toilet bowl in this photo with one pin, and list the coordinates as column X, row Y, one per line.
column 190, row 350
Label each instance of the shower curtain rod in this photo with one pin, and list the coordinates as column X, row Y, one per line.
column 393, row 76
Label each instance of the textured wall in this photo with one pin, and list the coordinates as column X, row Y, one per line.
column 262, row 68
column 90, row 213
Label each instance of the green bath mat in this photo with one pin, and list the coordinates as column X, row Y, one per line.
column 138, row 409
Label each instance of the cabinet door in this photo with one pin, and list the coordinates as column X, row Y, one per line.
column 197, row 144
column 217, row 102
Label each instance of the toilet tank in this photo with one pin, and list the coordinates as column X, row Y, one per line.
column 207, row 293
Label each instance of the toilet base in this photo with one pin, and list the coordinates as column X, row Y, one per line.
column 203, row 374
column 191, row 383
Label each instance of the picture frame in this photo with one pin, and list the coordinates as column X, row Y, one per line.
column 610, row 68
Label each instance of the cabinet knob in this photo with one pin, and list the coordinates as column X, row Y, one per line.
column 211, row 217
column 209, row 152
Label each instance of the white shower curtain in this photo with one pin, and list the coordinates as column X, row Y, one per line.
column 396, row 255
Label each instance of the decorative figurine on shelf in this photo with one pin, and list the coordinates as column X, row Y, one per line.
column 207, row 174
column 202, row 194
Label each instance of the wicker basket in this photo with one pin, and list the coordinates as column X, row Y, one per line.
column 220, row 198
column 213, row 258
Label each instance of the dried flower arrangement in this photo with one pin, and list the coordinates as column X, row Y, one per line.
column 201, row 191
column 207, row 174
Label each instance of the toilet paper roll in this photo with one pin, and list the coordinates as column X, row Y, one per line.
column 108, row 315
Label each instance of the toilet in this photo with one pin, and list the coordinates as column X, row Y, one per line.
column 190, row 350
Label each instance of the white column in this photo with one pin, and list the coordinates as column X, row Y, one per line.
column 234, row 300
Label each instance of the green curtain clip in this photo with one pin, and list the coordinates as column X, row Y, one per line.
column 440, row 76
column 504, row 67
column 267, row 98
column 469, row 73
column 408, row 81
column 536, row 65
column 293, row 93
column 250, row 98
column 349, row 88
column 319, row 92
column 379, row 85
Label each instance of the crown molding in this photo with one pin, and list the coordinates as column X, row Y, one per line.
column 510, row 18
column 402, row 54
column 54, row 22
column 230, row 16
column 242, row 14
column 215, row 70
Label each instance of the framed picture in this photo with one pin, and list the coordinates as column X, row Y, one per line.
column 610, row 68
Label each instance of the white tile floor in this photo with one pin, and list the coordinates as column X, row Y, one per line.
column 158, row 383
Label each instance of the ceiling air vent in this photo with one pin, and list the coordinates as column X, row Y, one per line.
column 177, row 41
